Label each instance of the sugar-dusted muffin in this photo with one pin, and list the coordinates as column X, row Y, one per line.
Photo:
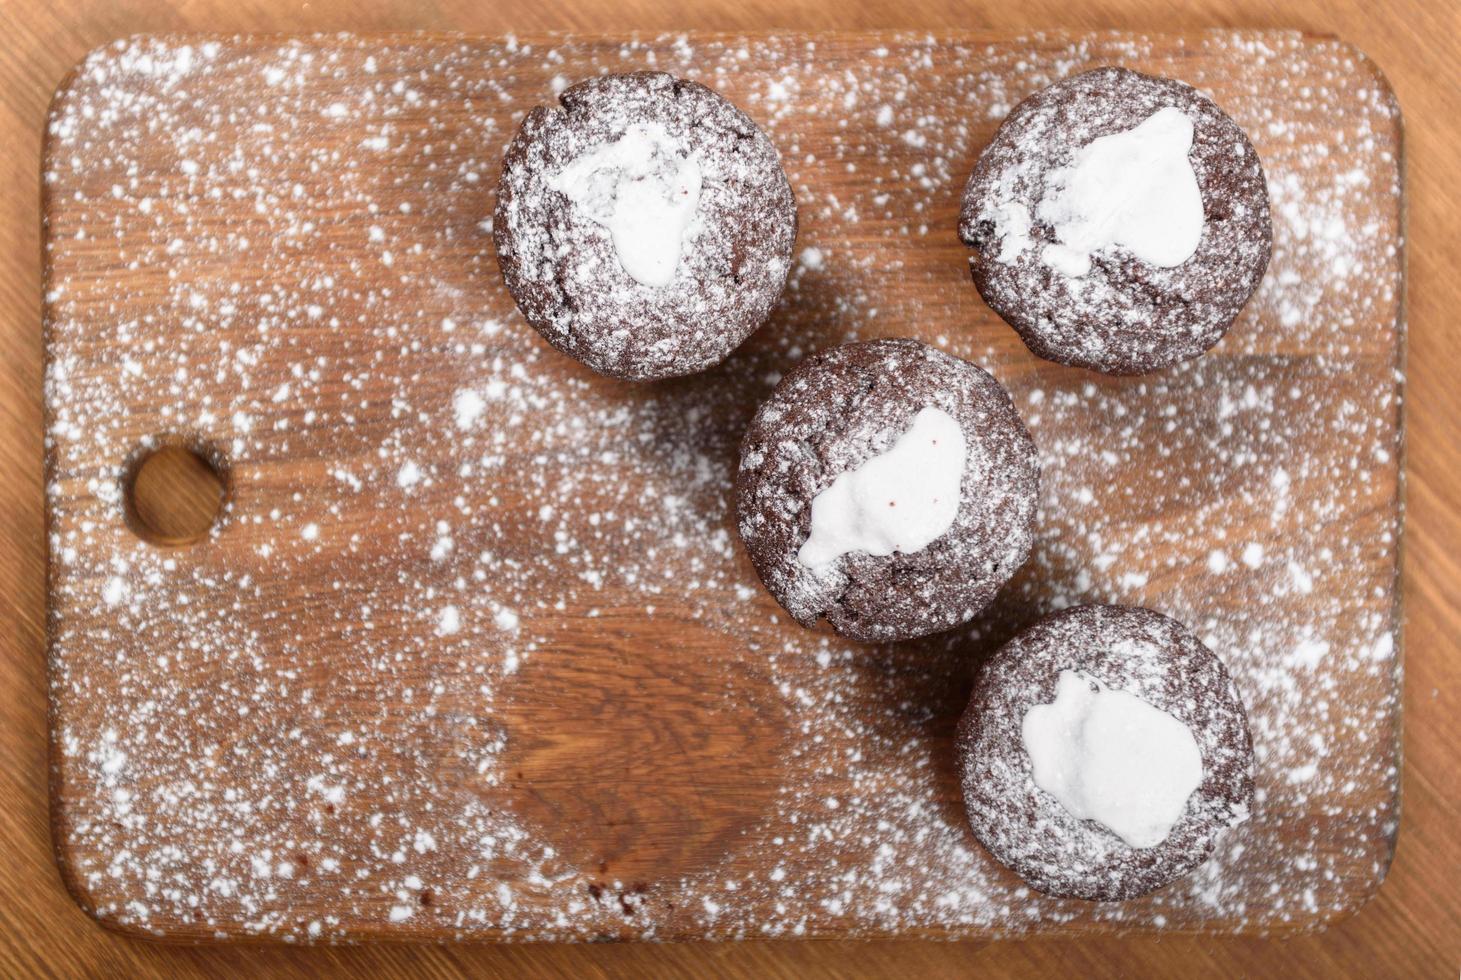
column 887, row 487
column 1103, row 751
column 1118, row 221
column 644, row 226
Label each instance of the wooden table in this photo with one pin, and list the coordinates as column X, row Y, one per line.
column 1413, row 927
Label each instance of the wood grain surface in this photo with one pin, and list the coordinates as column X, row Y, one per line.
column 466, row 595
column 1412, row 927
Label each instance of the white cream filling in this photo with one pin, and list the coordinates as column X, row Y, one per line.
column 1109, row 756
column 1135, row 189
column 899, row 500
column 644, row 189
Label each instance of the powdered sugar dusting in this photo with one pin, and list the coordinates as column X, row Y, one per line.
column 422, row 744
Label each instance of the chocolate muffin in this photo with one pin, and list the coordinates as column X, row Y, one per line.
column 1103, row 751
column 888, row 487
column 645, row 226
column 1119, row 221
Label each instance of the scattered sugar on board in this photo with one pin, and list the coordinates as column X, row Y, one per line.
column 240, row 784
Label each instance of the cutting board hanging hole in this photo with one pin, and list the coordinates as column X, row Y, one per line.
column 174, row 493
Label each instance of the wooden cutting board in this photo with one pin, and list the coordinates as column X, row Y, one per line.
column 472, row 650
